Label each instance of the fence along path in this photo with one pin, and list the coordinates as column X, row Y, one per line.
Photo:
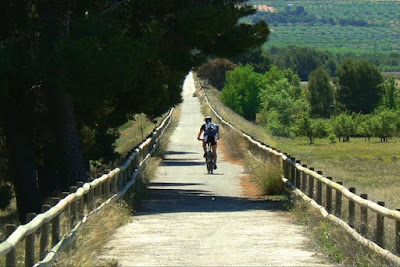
column 62, row 222
column 317, row 190
column 191, row 218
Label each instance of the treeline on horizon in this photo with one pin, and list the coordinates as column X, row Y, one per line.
column 72, row 72
column 350, row 98
column 368, row 30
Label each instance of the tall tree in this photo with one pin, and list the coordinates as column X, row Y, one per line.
column 241, row 91
column 80, row 68
column 215, row 70
column 391, row 95
column 17, row 93
column 359, row 86
column 322, row 95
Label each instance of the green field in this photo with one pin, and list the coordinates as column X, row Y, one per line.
column 371, row 27
column 372, row 167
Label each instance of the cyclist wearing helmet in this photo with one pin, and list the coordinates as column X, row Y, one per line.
column 211, row 135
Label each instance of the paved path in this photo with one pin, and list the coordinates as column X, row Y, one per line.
column 195, row 219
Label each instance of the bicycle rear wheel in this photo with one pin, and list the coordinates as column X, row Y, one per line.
column 210, row 162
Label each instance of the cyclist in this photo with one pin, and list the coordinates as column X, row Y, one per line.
column 211, row 135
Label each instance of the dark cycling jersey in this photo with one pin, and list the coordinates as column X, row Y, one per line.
column 208, row 139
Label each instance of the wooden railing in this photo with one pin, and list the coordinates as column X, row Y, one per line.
column 61, row 222
column 331, row 198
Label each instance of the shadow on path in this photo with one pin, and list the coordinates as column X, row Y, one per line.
column 181, row 153
column 171, row 200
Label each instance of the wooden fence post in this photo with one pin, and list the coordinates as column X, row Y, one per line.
column 328, row 196
column 319, row 189
column 298, row 175
column 120, row 182
column 55, row 225
column 81, row 203
column 107, row 188
column 73, row 208
column 91, row 203
column 114, row 182
column 125, row 176
column 304, row 179
column 338, row 202
column 364, row 217
column 380, row 227
column 66, row 215
column 311, row 185
column 293, row 171
column 397, row 231
column 11, row 257
column 284, row 167
column 352, row 209
column 44, row 238
column 30, row 244
column 287, row 167
column 137, row 160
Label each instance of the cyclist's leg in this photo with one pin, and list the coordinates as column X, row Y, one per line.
column 214, row 150
column 204, row 145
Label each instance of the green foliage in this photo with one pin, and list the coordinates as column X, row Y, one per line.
column 259, row 59
column 366, row 126
column 311, row 128
column 359, row 86
column 241, row 91
column 215, row 70
column 281, row 101
column 302, row 60
column 322, row 94
column 391, row 95
column 384, row 124
column 344, row 126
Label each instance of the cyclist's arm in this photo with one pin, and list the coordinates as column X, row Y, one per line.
column 200, row 132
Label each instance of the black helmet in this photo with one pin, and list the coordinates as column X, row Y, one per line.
column 207, row 119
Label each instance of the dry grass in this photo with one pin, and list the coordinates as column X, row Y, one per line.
column 333, row 241
column 97, row 231
column 234, row 143
column 266, row 174
column 133, row 132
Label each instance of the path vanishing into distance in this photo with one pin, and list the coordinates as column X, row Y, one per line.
column 191, row 218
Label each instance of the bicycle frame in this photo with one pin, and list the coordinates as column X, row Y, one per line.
column 209, row 158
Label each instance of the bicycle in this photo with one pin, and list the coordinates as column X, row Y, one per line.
column 210, row 160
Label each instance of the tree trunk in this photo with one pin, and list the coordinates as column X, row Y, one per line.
column 61, row 107
column 21, row 162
